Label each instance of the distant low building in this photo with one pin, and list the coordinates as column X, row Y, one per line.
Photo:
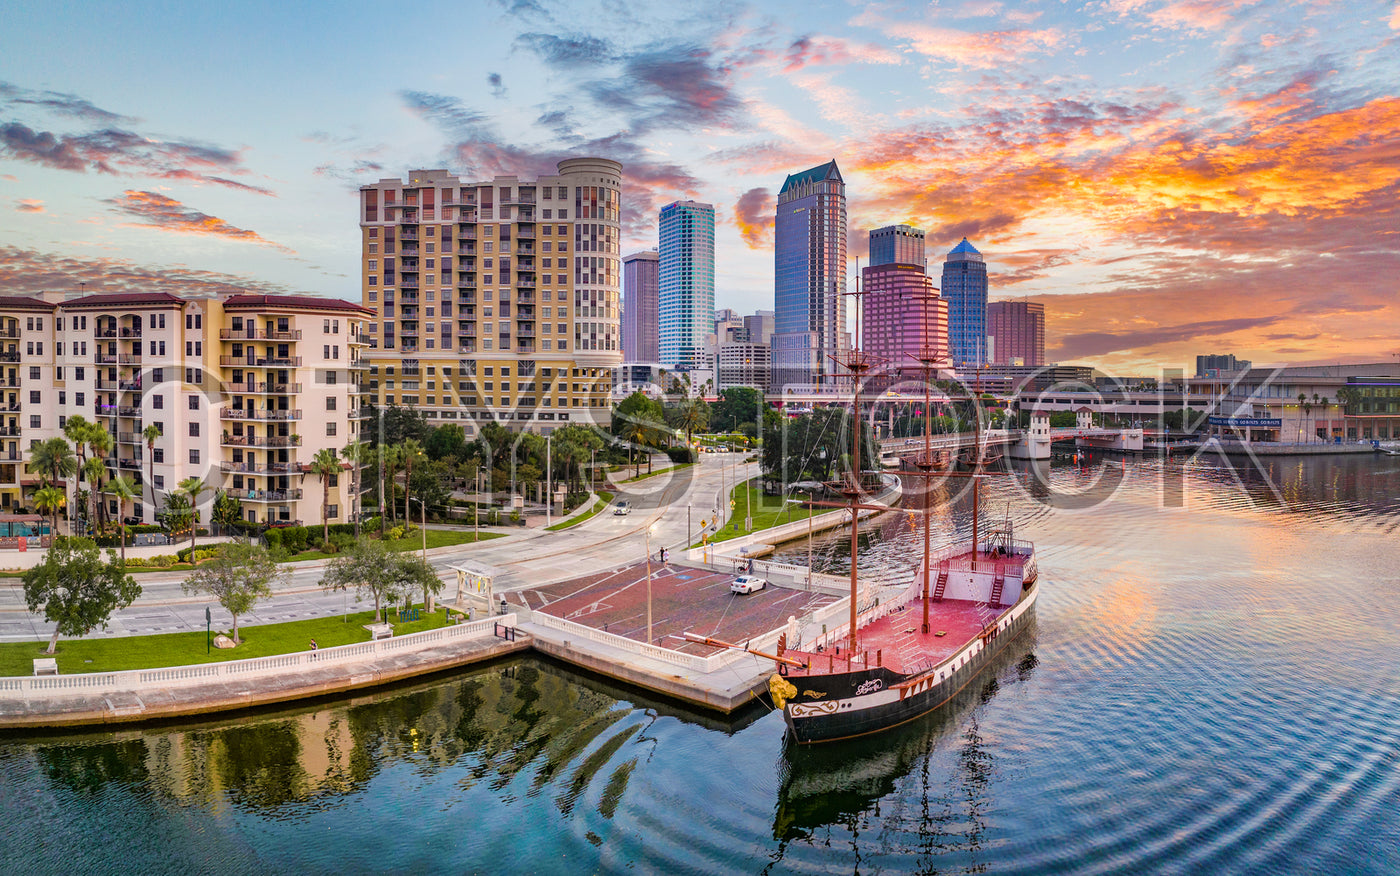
column 1216, row 365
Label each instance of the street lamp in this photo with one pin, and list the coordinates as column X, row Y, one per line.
column 647, row 536
column 427, row 596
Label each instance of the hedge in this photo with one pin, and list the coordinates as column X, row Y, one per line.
column 681, row 455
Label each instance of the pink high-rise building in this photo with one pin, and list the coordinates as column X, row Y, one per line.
column 1019, row 330
column 904, row 314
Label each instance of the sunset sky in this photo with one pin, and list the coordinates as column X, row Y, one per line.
column 1170, row 178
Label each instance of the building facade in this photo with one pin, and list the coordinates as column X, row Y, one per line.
column 905, row 317
column 740, row 363
column 809, row 323
column 897, row 245
column 1017, row 329
column 686, row 302
column 1214, row 366
column 640, row 285
column 496, row 300
column 241, row 391
column 964, row 287
column 758, row 327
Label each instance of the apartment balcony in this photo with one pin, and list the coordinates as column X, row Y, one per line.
column 262, row 441
column 408, row 234
column 9, row 431
column 261, row 468
column 409, row 217
column 525, row 234
column 406, row 283
column 256, row 414
column 251, row 388
column 358, row 364
column 129, row 464
column 408, row 298
column 99, row 409
column 260, row 361
column 100, row 358
column 129, row 359
column 258, row 335
column 525, row 348
column 127, row 385
column 105, row 333
column 131, row 332
column 266, row 495
column 11, row 333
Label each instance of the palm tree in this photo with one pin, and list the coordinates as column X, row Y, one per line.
column 194, row 487
column 637, row 432
column 53, row 459
column 1302, row 405
column 99, row 442
column 325, row 466
column 1325, row 404
column 151, row 433
column 409, row 450
column 355, row 453
column 125, row 491
column 50, row 499
column 389, row 457
column 94, row 471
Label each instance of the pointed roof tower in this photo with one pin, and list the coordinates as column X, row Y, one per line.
column 964, row 252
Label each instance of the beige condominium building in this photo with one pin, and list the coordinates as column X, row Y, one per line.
column 495, row 300
column 242, row 390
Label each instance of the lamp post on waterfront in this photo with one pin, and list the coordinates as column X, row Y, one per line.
column 647, row 536
column 423, row 506
column 548, row 486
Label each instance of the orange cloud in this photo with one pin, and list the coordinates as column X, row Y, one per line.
column 988, row 50
column 29, row 205
column 168, row 214
column 753, row 213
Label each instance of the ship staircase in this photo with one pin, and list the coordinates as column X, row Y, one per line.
column 998, row 585
column 942, row 585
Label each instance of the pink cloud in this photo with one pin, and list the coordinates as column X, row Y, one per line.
column 29, row 205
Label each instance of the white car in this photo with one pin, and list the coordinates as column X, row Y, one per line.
column 747, row 584
column 622, row 509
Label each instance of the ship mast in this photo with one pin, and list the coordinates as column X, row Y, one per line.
column 928, row 360
column 857, row 363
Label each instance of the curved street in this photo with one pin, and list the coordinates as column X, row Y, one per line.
column 672, row 505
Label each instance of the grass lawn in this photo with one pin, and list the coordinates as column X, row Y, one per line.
column 414, row 542
column 603, row 499
column 654, row 472
column 180, row 649
column 767, row 511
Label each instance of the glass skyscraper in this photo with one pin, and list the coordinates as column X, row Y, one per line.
column 965, row 290
column 897, row 245
column 686, row 297
column 639, row 320
column 809, row 277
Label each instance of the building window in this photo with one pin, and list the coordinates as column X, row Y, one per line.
column 194, row 456
column 34, row 421
column 159, row 481
column 330, row 429
column 158, row 457
column 194, row 430
column 33, row 373
column 194, row 402
column 158, row 402
column 330, row 403
column 80, row 398
column 34, row 396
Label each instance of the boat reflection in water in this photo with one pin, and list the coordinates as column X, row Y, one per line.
column 841, row 786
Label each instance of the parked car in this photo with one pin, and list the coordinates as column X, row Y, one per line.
column 621, row 509
column 747, row 584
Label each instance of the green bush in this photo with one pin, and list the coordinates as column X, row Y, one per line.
column 681, row 455
column 274, row 538
column 294, row 538
column 342, row 541
column 395, row 533
column 163, row 560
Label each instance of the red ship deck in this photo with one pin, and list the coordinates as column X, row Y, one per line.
column 896, row 640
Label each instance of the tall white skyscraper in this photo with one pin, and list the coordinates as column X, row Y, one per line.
column 686, row 298
column 809, row 277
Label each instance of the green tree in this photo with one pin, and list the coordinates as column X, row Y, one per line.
column 194, row 487
column 150, row 434
column 50, row 500
column 447, row 440
column 125, row 491
column 736, row 405
column 94, row 471
column 398, row 424
column 692, row 415
column 325, row 466
column 356, row 453
column 176, row 514
column 78, row 590
column 410, row 451
column 53, row 460
column 240, row 574
column 99, row 443
column 412, row 572
column 227, row 510
column 369, row 567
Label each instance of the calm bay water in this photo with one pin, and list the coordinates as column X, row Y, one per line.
column 1212, row 685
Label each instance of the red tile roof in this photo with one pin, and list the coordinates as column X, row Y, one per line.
column 20, row 302
column 127, row 299
column 295, row 302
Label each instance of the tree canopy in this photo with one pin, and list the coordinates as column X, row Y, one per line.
column 240, row 574
column 77, row 588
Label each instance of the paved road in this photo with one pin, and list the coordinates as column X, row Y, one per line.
column 668, row 504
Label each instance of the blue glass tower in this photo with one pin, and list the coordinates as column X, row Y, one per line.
column 809, row 277
column 965, row 290
column 686, row 294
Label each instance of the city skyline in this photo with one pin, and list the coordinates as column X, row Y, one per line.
column 1165, row 176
